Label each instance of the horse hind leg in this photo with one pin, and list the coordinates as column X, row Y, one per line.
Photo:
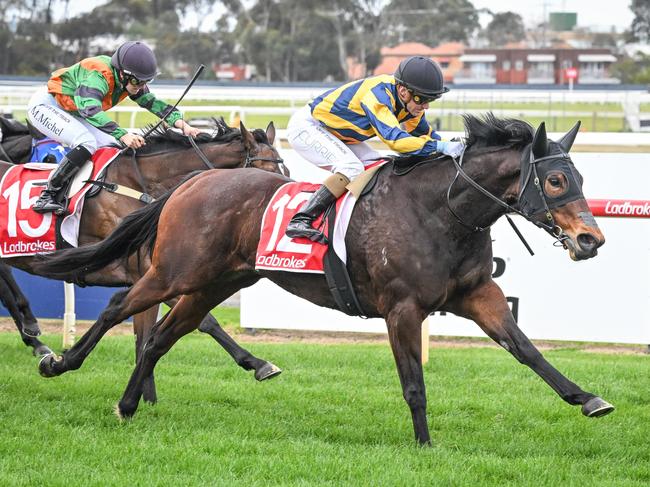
column 181, row 320
column 264, row 369
column 404, row 323
column 488, row 307
column 147, row 292
column 142, row 325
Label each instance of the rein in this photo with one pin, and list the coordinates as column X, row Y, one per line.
column 551, row 227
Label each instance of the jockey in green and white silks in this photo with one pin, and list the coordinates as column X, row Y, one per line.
column 331, row 131
column 72, row 110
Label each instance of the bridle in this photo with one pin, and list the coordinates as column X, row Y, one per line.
column 531, row 186
column 249, row 159
column 248, row 162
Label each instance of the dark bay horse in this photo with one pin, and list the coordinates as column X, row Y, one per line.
column 16, row 141
column 162, row 164
column 418, row 243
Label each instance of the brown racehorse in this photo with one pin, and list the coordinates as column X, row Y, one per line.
column 417, row 243
column 162, row 164
column 16, row 141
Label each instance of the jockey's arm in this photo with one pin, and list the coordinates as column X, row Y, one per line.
column 388, row 129
column 173, row 117
column 88, row 98
column 420, row 126
column 159, row 108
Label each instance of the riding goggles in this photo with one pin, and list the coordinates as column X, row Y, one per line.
column 423, row 99
column 133, row 80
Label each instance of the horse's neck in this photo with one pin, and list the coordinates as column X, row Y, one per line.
column 156, row 173
column 161, row 172
column 225, row 156
column 497, row 172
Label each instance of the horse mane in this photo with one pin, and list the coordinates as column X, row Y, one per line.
column 491, row 131
column 163, row 139
column 483, row 132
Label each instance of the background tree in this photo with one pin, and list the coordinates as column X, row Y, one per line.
column 505, row 27
column 632, row 70
column 430, row 22
column 640, row 29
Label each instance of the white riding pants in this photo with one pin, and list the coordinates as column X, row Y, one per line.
column 320, row 147
column 51, row 120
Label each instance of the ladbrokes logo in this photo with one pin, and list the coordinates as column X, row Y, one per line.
column 27, row 247
column 627, row 208
column 281, row 262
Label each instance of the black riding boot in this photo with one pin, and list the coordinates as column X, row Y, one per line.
column 300, row 224
column 67, row 168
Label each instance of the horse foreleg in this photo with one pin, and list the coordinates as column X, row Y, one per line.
column 142, row 325
column 29, row 322
column 487, row 306
column 246, row 360
column 183, row 318
column 16, row 303
column 404, row 323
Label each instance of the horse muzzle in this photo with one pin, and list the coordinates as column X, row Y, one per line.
column 585, row 245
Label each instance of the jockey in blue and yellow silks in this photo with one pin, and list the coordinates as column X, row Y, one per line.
column 371, row 107
column 331, row 131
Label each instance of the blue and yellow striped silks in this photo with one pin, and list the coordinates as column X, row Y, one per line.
column 362, row 109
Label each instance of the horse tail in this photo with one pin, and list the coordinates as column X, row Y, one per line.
column 137, row 230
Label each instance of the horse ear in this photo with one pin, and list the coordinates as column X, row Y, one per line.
column 247, row 137
column 270, row 133
column 566, row 142
column 540, row 142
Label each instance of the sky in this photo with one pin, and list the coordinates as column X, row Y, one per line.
column 600, row 15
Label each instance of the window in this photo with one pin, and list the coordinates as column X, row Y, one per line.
column 506, row 65
column 519, row 65
column 444, row 64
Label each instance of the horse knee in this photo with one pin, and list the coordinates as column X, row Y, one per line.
column 415, row 397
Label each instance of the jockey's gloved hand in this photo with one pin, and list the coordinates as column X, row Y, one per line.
column 453, row 149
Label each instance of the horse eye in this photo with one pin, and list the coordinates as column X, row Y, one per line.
column 555, row 181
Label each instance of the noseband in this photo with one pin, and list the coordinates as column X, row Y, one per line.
column 249, row 159
column 527, row 191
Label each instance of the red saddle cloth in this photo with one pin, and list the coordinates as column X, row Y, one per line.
column 275, row 250
column 24, row 232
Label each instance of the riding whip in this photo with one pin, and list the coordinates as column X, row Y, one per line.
column 194, row 78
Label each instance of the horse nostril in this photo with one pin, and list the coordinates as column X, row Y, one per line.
column 587, row 242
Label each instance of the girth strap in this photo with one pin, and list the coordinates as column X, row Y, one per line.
column 123, row 190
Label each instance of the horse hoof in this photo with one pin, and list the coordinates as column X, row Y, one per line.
column 123, row 412
column 267, row 371
column 42, row 350
column 596, row 407
column 31, row 329
column 46, row 365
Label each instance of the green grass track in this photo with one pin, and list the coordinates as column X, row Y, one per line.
column 334, row 417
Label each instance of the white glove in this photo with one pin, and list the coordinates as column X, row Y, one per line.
column 453, row 149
